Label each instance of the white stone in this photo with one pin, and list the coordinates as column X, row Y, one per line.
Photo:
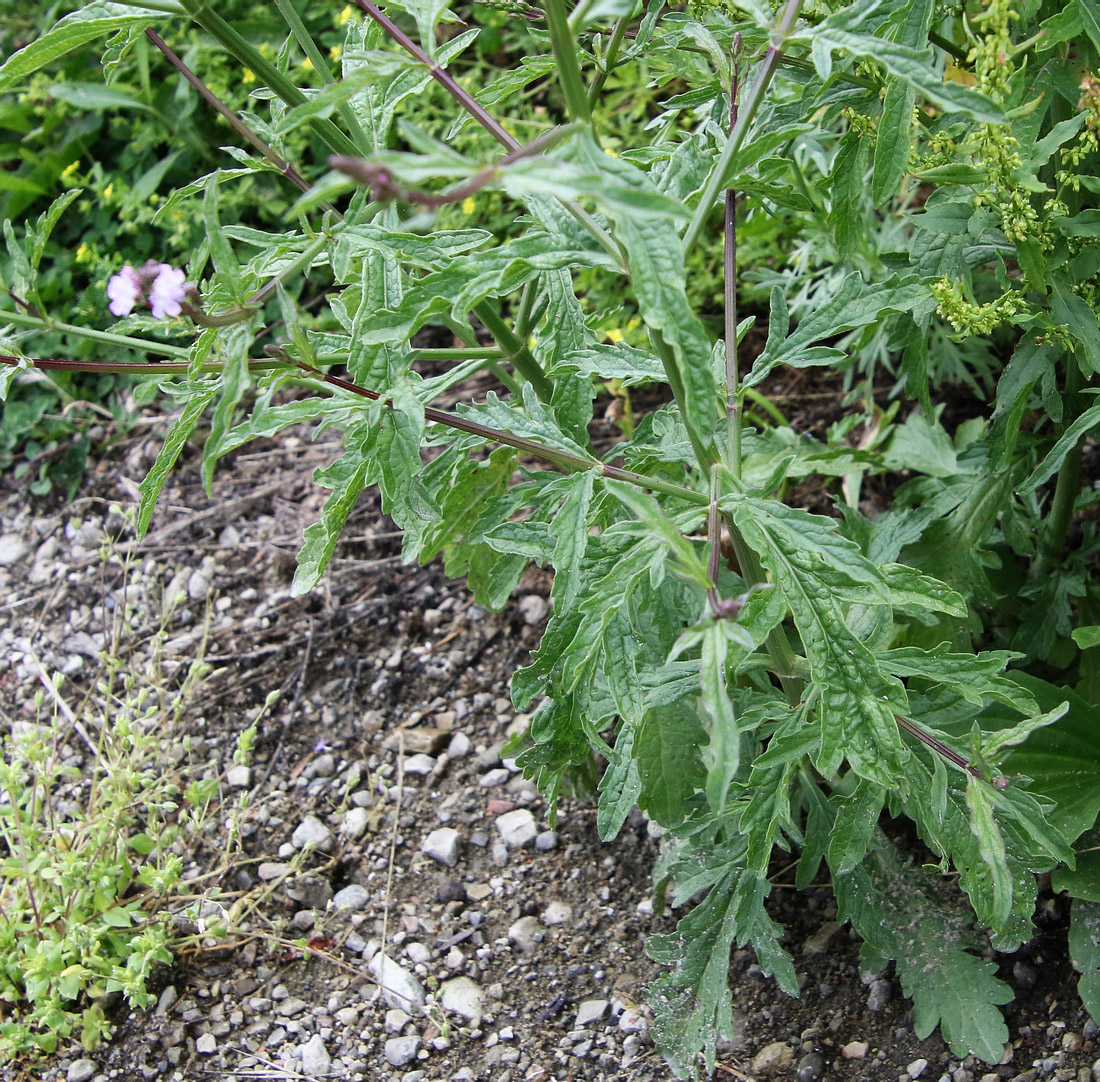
column 419, row 764
column 313, row 833
column 12, row 548
column 917, row 1068
column 316, row 1062
column 442, row 845
column 462, row 996
column 198, row 586
column 418, row 953
column 353, row 897
column 81, row 1070
column 533, row 609
column 557, row 912
column 401, row 1050
column 206, row 1044
column 239, row 777
column 525, row 933
column 591, row 1010
column 517, row 828
column 399, row 987
column 633, row 1020
column 395, row 1020
column 355, row 822
column 459, row 746
column 269, row 869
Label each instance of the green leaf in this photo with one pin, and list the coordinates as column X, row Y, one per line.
column 693, row 1002
column 620, row 785
column 117, row 917
column 1070, row 309
column 428, row 14
column 1083, row 881
column 92, row 21
column 1068, row 440
column 1084, row 949
column 150, row 487
column 855, row 304
column 723, row 752
column 233, row 345
column 856, row 818
column 346, row 477
column 848, row 190
column 912, row 66
column 991, row 845
column 900, row 915
column 670, row 770
column 1063, row 760
column 619, row 361
column 97, row 96
column 1089, row 11
column 1087, row 637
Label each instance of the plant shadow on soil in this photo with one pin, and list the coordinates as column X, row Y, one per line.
column 544, row 930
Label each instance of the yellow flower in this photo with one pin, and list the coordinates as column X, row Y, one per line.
column 344, row 15
column 615, row 335
column 610, row 153
column 532, row 341
column 249, row 76
column 335, row 52
column 468, row 206
column 108, row 191
column 83, row 253
column 69, row 171
column 306, row 63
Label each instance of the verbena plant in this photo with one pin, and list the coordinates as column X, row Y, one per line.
column 755, row 677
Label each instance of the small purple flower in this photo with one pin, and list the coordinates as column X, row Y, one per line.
column 124, row 290
column 168, row 292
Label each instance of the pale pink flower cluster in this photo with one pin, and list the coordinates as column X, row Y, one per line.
column 164, row 288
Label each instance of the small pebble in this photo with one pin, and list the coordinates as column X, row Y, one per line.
column 401, row 1050
column 312, row 833
column 81, row 1070
column 419, row 764
column 517, row 828
column 809, row 1068
column 855, row 1050
column 546, row 841
column 238, row 777
column 462, row 996
column 351, row 897
column 525, row 933
column 557, row 912
column 206, row 1044
column 591, row 1010
column 442, row 845
column 316, row 1062
column 917, row 1068
column 773, row 1058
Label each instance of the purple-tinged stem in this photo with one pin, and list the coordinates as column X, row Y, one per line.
column 733, row 405
column 235, row 121
column 439, row 74
column 937, row 746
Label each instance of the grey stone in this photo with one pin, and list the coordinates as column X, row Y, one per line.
column 498, row 776
column 419, row 764
column 591, row 1010
column 557, row 912
column 546, row 841
column 533, row 609
column 395, row 1020
column 443, row 846
column 291, row 1006
column 399, row 987
column 271, row 870
column 772, row 1059
column 198, row 586
column 462, row 996
column 517, row 828
column 418, row 953
column 80, row 1070
column 633, row 1020
column 354, row 824
column 401, row 1050
column 206, row 1044
column 809, row 1068
column 878, row 996
column 168, row 999
column 459, row 746
column 316, row 1062
column 525, row 933
column 239, row 777
column 313, row 833
column 12, row 548
column 917, row 1068
column 352, row 897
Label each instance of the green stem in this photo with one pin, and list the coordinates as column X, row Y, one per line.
column 705, row 452
column 569, row 68
column 517, row 350
column 610, row 58
column 562, row 459
column 165, row 7
column 25, row 319
column 746, row 114
column 1068, row 486
column 252, row 58
column 320, row 65
column 308, row 256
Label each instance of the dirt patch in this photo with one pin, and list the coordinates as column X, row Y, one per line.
column 387, row 753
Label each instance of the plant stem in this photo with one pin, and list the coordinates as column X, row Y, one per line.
column 1066, row 489
column 729, row 259
column 745, row 117
column 320, row 65
column 24, row 319
column 252, row 58
column 610, row 57
column 937, row 746
column 561, row 459
column 238, row 125
column 569, row 68
column 516, row 349
column 439, row 74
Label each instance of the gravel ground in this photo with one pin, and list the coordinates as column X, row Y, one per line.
column 450, row 930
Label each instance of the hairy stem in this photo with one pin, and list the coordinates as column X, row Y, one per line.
column 610, row 59
column 569, row 68
column 746, row 113
column 729, row 289
column 235, row 122
column 24, row 319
